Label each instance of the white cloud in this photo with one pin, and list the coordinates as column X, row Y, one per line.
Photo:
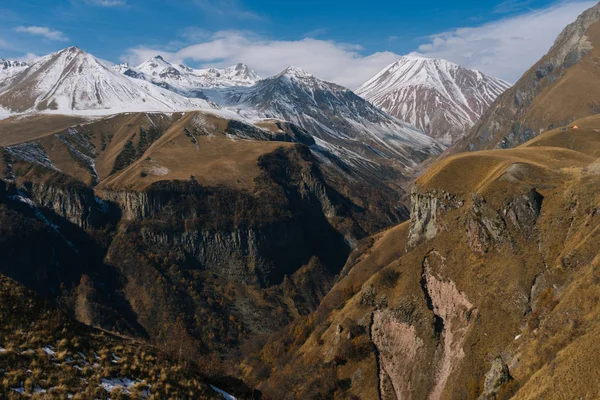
column 505, row 48
column 107, row 3
column 44, row 31
column 337, row 62
column 508, row 47
column 28, row 58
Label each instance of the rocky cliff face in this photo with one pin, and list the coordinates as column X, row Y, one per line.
column 425, row 210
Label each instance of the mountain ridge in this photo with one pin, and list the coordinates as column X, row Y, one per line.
column 560, row 88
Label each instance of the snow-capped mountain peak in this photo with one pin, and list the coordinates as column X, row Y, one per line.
column 343, row 123
column 439, row 97
column 295, row 72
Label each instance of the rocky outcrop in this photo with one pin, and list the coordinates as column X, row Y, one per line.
column 485, row 226
column 134, row 205
column 495, row 378
column 76, row 203
column 524, row 210
column 255, row 255
column 488, row 228
column 425, row 212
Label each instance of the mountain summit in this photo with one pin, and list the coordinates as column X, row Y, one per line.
column 439, row 97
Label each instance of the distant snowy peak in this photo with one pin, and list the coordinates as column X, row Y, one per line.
column 9, row 69
column 189, row 81
column 294, row 72
column 72, row 81
column 439, row 97
column 8, row 64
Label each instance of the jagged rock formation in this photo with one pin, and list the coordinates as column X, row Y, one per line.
column 556, row 91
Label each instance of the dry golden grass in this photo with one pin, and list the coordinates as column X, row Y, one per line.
column 20, row 129
column 217, row 160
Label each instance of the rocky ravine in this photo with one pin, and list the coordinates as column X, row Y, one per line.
column 469, row 299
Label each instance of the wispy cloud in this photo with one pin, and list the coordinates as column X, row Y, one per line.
column 48, row 33
column 510, row 6
column 107, row 3
column 315, row 33
column 338, row 62
column 227, row 8
column 508, row 47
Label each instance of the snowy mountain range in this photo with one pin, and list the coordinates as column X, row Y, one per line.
column 441, row 98
column 72, row 81
column 344, row 122
column 345, row 126
column 188, row 81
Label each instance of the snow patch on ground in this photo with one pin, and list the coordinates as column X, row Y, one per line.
column 158, row 170
column 48, row 350
column 32, row 152
column 225, row 395
column 115, row 383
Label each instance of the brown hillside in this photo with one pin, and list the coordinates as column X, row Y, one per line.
column 490, row 293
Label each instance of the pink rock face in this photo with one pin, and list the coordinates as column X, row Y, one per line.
column 398, row 345
column 452, row 306
column 405, row 360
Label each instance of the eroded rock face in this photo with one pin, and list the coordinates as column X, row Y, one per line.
column 251, row 256
column 453, row 313
column 79, row 205
column 426, row 209
column 398, row 346
column 485, row 227
column 524, row 211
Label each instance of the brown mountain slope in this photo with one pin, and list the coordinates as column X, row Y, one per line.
column 494, row 296
column 562, row 87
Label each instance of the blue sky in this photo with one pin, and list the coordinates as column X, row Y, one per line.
column 344, row 41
